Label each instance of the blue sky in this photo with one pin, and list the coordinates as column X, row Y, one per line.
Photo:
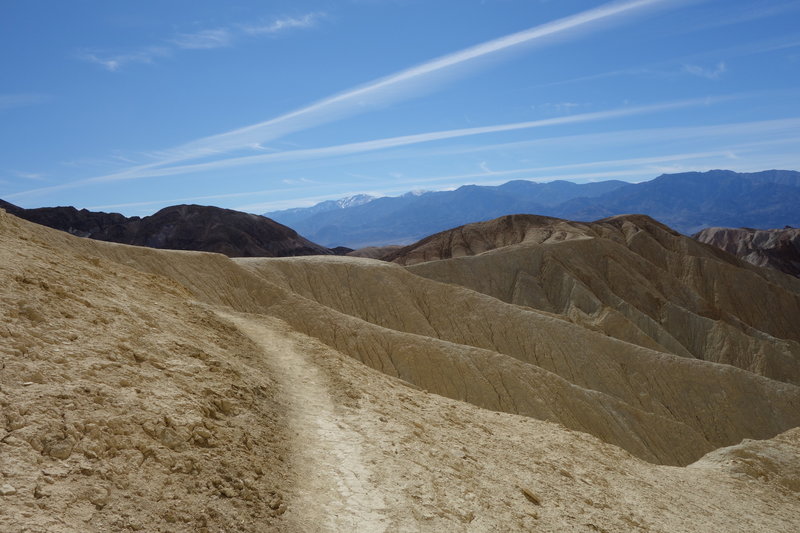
column 253, row 105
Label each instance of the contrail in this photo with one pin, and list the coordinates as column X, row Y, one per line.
column 382, row 144
column 260, row 132
column 352, row 100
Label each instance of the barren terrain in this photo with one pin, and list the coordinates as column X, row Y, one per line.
column 150, row 390
column 774, row 248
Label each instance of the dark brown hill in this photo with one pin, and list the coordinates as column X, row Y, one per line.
column 83, row 223
column 180, row 227
column 773, row 248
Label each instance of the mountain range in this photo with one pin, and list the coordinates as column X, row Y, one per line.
column 687, row 202
column 407, row 218
column 291, row 216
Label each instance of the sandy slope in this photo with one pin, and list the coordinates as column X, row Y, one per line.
column 468, row 346
column 194, row 400
column 633, row 279
column 125, row 405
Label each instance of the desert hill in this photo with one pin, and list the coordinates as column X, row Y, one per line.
column 774, row 248
column 631, row 278
column 179, row 227
column 161, row 390
column 479, row 237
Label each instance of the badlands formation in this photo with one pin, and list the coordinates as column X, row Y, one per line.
column 775, row 248
column 526, row 374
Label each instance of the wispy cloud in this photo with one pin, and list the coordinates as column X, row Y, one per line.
column 298, row 181
column 749, row 12
column 205, row 39
column 405, row 140
column 370, row 146
column 114, row 62
column 394, row 87
column 34, row 176
column 709, row 73
column 770, row 132
column 14, row 100
column 664, row 69
column 282, row 24
column 559, row 107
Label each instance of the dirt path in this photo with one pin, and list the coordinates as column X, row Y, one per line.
column 334, row 491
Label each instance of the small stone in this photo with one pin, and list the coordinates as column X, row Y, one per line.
column 7, row 490
column 531, row 497
column 99, row 496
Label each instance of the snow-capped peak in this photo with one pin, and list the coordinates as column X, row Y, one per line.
column 352, row 201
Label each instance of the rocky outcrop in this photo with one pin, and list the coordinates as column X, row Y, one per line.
column 180, row 227
column 773, row 248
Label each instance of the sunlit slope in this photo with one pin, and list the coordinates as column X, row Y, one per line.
column 470, row 346
column 634, row 279
column 125, row 404
column 473, row 239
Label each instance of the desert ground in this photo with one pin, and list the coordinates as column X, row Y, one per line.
column 612, row 377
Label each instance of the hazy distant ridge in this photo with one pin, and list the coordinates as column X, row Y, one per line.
column 687, row 202
column 405, row 219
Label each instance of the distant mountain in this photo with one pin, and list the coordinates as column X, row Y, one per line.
column 692, row 201
column 774, row 248
column 408, row 218
column 179, row 227
column 290, row 217
column 687, row 202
